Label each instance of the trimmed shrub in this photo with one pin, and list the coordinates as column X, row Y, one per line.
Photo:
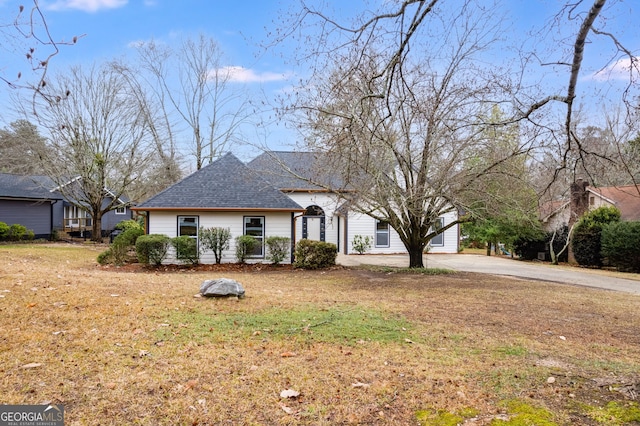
column 125, row 225
column 152, row 249
column 277, row 249
column 361, row 244
column 17, row 232
column 314, row 254
column 128, row 237
column 186, row 249
column 620, row 243
column 586, row 243
column 245, row 244
column 118, row 253
column 105, row 257
column 216, row 240
column 4, row 231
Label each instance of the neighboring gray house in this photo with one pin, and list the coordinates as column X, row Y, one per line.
column 27, row 200
column 32, row 201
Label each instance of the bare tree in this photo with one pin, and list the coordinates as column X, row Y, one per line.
column 29, row 33
column 418, row 84
column 407, row 135
column 193, row 84
column 97, row 145
column 165, row 159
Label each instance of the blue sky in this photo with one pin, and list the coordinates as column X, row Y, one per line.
column 107, row 29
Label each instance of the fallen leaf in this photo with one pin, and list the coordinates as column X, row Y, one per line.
column 289, row 393
column 562, row 338
column 360, row 385
column 31, row 305
column 288, row 354
column 32, row 365
column 191, row 384
column 286, row 409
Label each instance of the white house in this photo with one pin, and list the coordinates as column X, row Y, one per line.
column 270, row 196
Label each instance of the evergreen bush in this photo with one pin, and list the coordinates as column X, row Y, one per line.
column 277, row 249
column 152, row 249
column 620, row 243
column 361, row 244
column 586, row 243
column 4, row 231
column 216, row 240
column 245, row 244
column 186, row 249
column 17, row 232
column 315, row 254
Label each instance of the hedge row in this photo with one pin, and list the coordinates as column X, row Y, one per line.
column 15, row 232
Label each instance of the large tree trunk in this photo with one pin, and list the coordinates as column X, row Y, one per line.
column 96, row 227
column 415, row 258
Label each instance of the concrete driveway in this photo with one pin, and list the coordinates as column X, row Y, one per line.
column 505, row 266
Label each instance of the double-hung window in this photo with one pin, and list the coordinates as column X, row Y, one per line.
column 254, row 226
column 382, row 234
column 188, row 225
column 438, row 240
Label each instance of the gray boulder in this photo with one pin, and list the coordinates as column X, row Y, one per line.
column 221, row 287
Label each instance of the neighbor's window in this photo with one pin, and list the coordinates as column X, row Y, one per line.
column 121, row 210
column 254, row 226
column 438, row 240
column 382, row 234
column 188, row 225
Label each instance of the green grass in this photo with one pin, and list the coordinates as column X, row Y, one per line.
column 311, row 324
column 615, row 414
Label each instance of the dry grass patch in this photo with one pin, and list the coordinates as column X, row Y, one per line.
column 129, row 346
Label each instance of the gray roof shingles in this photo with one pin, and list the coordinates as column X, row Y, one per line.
column 27, row 187
column 225, row 184
column 296, row 170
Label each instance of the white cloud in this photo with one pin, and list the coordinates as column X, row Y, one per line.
column 245, row 75
column 86, row 5
column 619, row 70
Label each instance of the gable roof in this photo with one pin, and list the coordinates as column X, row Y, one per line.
column 296, row 170
column 226, row 184
column 625, row 198
column 550, row 208
column 27, row 187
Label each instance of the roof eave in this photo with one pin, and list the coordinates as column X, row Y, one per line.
column 217, row 209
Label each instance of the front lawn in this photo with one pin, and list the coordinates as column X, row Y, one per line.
column 122, row 346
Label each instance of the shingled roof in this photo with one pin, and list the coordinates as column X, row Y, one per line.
column 295, row 170
column 625, row 198
column 27, row 187
column 226, row 184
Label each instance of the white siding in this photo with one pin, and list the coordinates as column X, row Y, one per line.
column 275, row 224
column 360, row 224
column 328, row 202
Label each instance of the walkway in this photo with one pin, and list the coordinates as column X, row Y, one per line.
column 504, row 266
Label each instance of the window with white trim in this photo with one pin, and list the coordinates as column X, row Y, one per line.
column 382, row 234
column 254, row 226
column 188, row 225
column 437, row 240
column 121, row 210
